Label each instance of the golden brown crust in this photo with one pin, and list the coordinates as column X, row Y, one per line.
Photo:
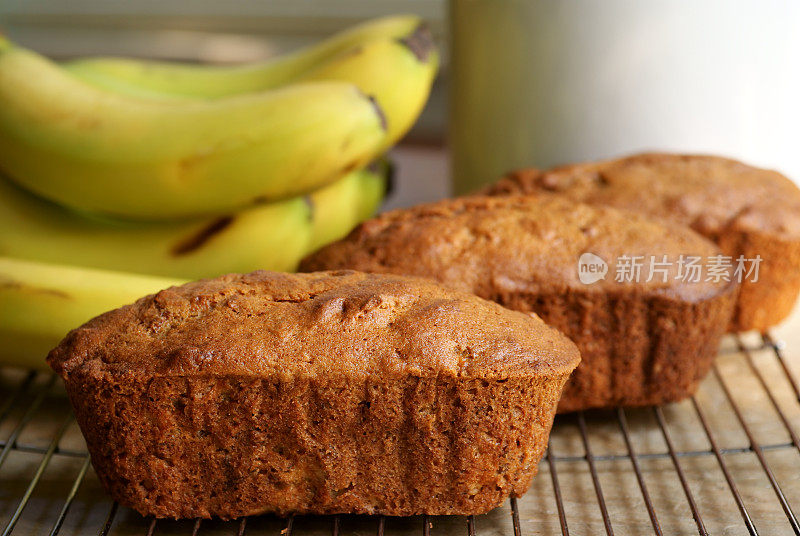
column 309, row 325
column 641, row 342
column 487, row 245
column 314, row 393
column 746, row 210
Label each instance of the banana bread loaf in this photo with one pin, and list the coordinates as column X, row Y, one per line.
column 747, row 211
column 642, row 342
column 317, row 393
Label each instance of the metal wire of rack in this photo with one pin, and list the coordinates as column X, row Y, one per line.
column 39, row 433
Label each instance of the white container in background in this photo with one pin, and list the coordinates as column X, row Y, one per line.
column 544, row 82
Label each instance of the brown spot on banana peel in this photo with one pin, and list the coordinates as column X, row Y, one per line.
column 377, row 109
column 311, row 208
column 355, row 51
column 197, row 240
column 379, row 112
column 349, row 168
column 419, row 42
column 10, row 284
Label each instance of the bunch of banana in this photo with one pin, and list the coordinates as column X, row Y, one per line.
column 120, row 175
column 159, row 141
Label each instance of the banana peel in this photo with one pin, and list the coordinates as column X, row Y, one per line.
column 40, row 303
column 271, row 236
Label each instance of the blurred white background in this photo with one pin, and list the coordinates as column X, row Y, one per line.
column 545, row 82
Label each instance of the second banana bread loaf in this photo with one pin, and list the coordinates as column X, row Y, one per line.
column 642, row 342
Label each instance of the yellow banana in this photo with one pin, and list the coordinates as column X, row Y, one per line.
column 272, row 236
column 338, row 208
column 397, row 69
column 157, row 78
column 104, row 152
column 40, row 303
column 397, row 72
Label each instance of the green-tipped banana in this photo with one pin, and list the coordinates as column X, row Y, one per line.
column 104, row 152
column 155, row 78
column 272, row 236
column 40, row 303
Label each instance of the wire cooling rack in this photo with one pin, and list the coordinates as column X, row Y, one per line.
column 726, row 461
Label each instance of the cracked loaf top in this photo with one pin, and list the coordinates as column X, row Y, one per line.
column 708, row 193
column 523, row 245
column 308, row 325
